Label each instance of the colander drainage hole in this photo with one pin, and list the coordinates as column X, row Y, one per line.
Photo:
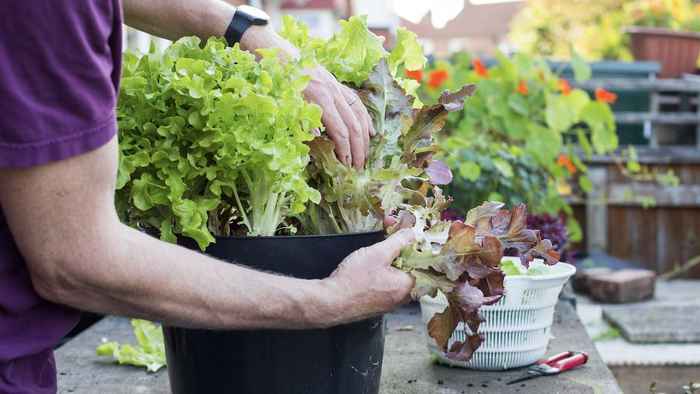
column 484, row 385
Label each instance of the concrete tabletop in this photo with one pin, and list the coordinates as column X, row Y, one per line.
column 408, row 368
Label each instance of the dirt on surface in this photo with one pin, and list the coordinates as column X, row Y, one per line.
column 669, row 380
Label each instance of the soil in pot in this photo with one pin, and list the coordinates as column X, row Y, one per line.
column 343, row 360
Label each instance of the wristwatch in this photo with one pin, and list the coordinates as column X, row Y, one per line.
column 244, row 17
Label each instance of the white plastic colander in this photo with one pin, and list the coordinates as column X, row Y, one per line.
column 516, row 329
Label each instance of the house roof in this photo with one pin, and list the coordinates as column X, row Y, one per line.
column 474, row 20
column 313, row 4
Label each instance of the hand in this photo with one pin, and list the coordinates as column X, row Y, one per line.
column 365, row 284
column 346, row 119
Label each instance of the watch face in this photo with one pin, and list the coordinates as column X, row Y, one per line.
column 254, row 13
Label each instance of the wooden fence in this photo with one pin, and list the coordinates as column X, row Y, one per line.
column 658, row 237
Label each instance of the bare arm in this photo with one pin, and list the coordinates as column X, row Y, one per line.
column 347, row 121
column 173, row 19
column 78, row 253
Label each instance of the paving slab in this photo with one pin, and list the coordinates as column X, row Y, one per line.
column 408, row 368
column 657, row 323
column 618, row 352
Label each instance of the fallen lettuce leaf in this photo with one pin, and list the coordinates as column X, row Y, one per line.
column 149, row 353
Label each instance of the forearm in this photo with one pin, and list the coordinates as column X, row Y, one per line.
column 129, row 273
column 63, row 220
column 173, row 19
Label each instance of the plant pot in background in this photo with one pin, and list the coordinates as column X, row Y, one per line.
column 343, row 360
column 676, row 51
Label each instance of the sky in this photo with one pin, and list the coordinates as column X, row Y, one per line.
column 441, row 12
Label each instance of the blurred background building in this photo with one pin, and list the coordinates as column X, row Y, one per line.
column 444, row 27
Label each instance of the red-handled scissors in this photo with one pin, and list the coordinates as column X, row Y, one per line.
column 554, row 365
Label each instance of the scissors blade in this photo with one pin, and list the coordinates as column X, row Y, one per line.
column 523, row 378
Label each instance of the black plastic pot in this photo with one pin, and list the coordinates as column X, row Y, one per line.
column 342, row 360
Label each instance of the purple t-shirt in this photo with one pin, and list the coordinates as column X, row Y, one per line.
column 59, row 72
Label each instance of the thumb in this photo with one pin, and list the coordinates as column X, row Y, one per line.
column 391, row 247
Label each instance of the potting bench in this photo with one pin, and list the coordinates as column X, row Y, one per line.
column 408, row 368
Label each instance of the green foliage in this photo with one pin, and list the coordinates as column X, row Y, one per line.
column 211, row 140
column 149, row 353
column 595, row 29
column 357, row 200
column 671, row 14
column 582, row 72
column 552, row 28
column 518, row 146
column 214, row 142
column 607, row 335
column 350, row 55
column 407, row 51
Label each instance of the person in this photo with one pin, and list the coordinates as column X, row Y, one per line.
column 62, row 247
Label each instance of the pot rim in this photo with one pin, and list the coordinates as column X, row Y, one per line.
column 306, row 236
column 662, row 31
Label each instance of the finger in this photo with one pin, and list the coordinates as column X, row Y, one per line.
column 391, row 247
column 372, row 131
column 389, row 221
column 360, row 110
column 362, row 116
column 337, row 131
column 365, row 132
column 357, row 147
column 406, row 282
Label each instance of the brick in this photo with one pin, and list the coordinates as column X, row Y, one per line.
column 583, row 275
column 626, row 285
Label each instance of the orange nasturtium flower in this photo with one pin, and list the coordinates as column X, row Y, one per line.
column 564, row 161
column 437, row 77
column 480, row 68
column 564, row 87
column 605, row 96
column 522, row 88
column 416, row 75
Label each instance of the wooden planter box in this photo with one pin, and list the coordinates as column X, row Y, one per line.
column 676, row 51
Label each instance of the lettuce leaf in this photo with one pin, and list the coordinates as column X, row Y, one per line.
column 407, row 52
column 418, row 140
column 399, row 167
column 213, row 142
column 149, row 353
column 353, row 52
column 467, row 265
column 391, row 111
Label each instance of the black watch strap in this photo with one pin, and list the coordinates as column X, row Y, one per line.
column 243, row 18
